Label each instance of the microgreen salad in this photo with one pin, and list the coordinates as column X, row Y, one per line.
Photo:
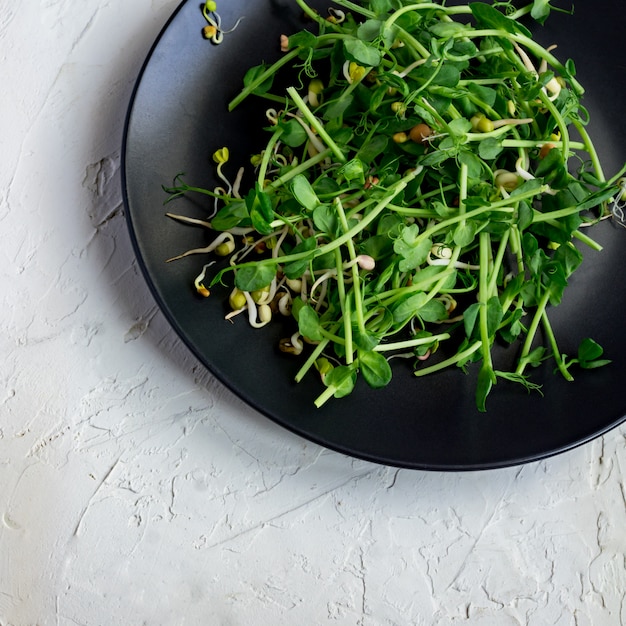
column 425, row 183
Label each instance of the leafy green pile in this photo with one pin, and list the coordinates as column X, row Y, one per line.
column 419, row 187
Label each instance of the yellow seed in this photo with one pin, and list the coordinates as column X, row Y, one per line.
column 481, row 124
column 400, row 137
column 209, row 31
column 507, row 180
column 237, row 300
column 260, row 294
column 316, row 86
column 265, row 313
column 295, row 284
column 203, row 291
column 224, row 249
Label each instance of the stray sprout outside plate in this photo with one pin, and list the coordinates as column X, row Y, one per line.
column 178, row 117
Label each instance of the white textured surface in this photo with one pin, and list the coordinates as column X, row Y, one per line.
column 136, row 490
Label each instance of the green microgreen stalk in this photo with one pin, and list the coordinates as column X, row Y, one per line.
column 316, row 124
column 356, row 279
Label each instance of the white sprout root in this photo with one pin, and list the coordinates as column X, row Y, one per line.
column 619, row 205
column 220, row 239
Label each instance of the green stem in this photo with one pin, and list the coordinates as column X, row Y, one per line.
column 590, row 148
column 560, row 122
column 410, row 343
column 392, row 295
column 316, row 124
column 532, row 331
column 262, row 77
column 469, row 214
column 356, row 8
column 299, row 169
column 453, row 360
column 317, row 352
column 356, row 279
column 555, row 348
column 483, row 296
column 267, row 156
column 335, row 243
column 497, row 263
column 531, row 143
column 537, row 49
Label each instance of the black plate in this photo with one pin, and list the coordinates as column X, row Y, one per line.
column 176, row 120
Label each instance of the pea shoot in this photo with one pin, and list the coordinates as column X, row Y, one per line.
column 421, row 195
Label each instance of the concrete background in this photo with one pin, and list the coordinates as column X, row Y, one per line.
column 135, row 489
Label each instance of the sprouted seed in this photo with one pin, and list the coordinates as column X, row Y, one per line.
column 419, row 195
column 213, row 31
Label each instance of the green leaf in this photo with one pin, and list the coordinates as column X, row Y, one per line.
column 372, row 148
column 408, row 307
column 375, row 369
column 473, row 163
column 255, row 72
column 535, row 358
column 254, row 277
column 295, row 269
column 292, row 133
column 447, row 29
column 303, row 192
column 597, row 198
column 230, row 216
column 568, row 258
column 353, row 170
column 361, row 53
column 524, row 215
column 369, row 30
column 341, row 379
column 490, row 148
column 432, row 311
column 549, row 163
column 483, row 386
column 470, row 317
column 364, row 340
column 589, row 353
column 494, row 315
column 486, row 95
column 325, row 219
column 380, row 7
column 490, row 17
column 260, row 209
column 513, row 327
column 464, row 233
column 460, row 126
column 335, row 109
column 302, row 39
column 309, row 324
column 413, row 249
column 541, row 10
